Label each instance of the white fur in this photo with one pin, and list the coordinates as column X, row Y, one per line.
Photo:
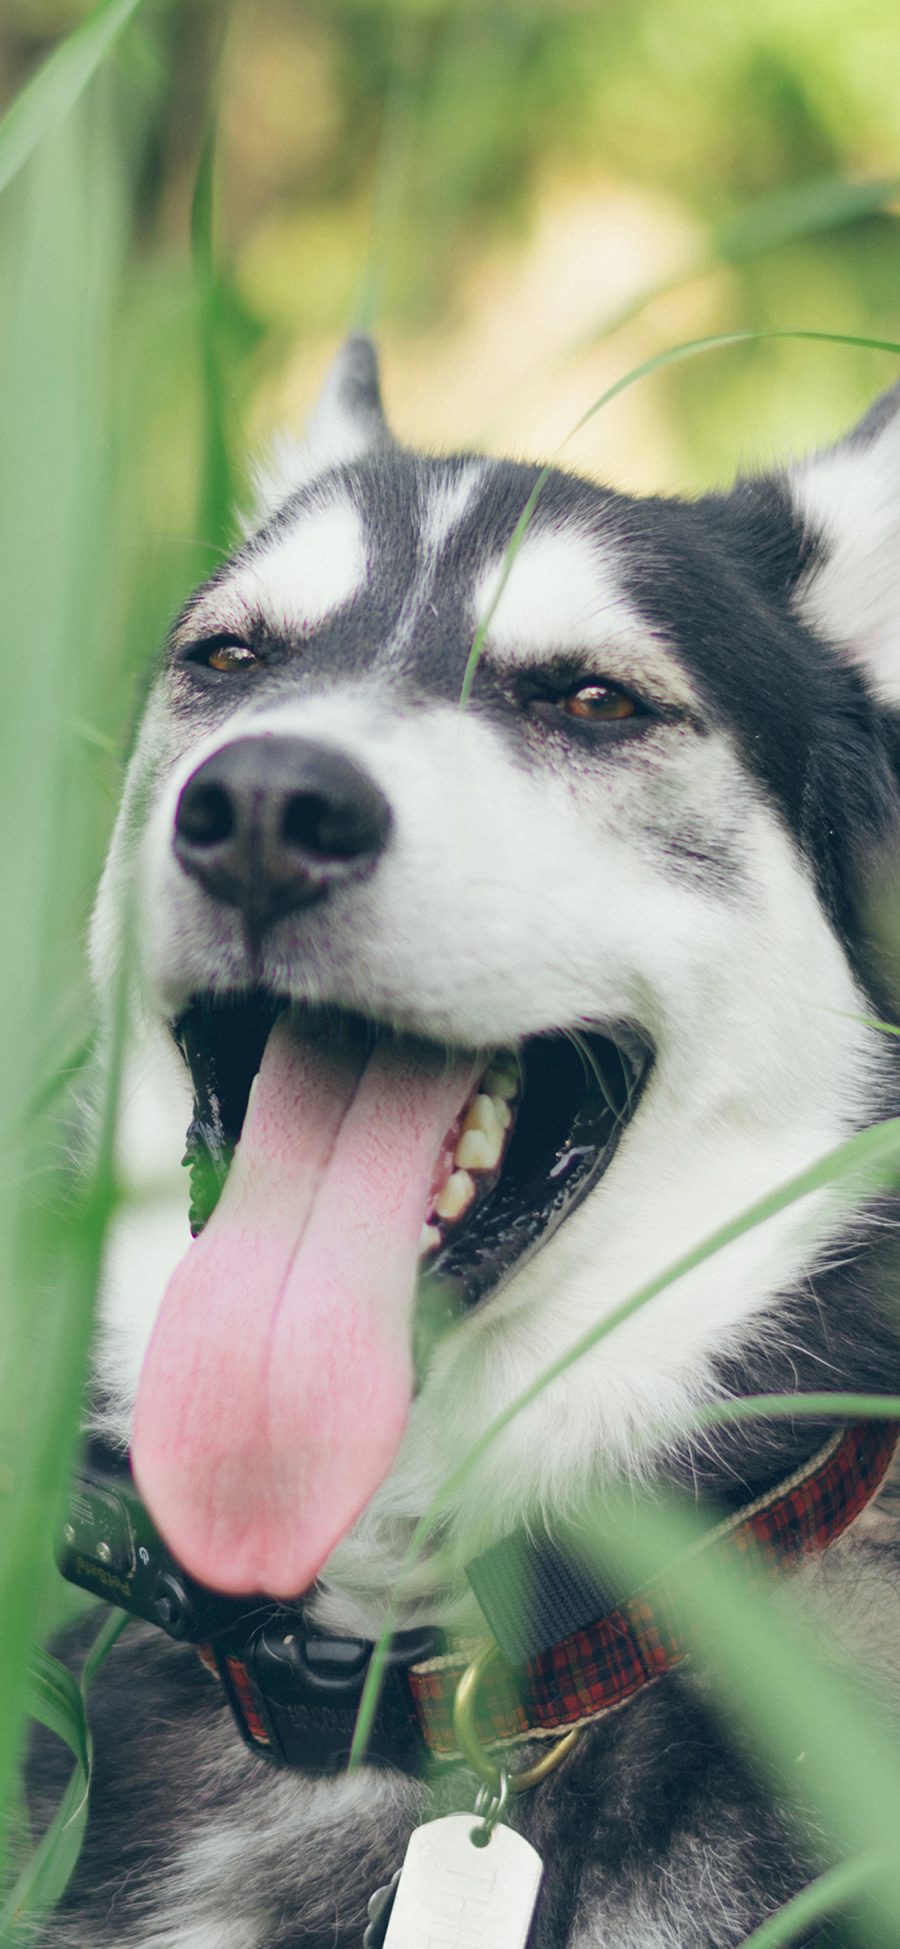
column 215, row 1931
column 227, row 1872
column 307, row 571
column 557, row 588
column 851, row 497
column 290, row 465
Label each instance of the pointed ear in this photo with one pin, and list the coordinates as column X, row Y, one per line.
column 849, row 497
column 347, row 421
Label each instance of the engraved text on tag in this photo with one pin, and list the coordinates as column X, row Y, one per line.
column 454, row 1895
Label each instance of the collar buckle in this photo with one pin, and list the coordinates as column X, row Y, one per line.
column 295, row 1690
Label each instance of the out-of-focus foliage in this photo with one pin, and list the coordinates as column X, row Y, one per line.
column 541, row 165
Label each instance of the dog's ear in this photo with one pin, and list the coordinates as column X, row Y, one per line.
column 347, row 421
column 849, row 497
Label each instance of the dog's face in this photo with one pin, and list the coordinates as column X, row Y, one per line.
column 534, row 991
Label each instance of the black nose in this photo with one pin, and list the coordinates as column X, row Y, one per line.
column 269, row 824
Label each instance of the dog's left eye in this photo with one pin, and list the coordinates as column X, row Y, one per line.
column 225, row 654
column 598, row 703
column 593, row 701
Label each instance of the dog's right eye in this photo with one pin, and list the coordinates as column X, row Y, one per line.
column 227, row 655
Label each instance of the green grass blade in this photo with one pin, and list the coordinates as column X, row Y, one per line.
column 831, row 1407
column 866, row 1161
column 58, row 1083
column 830, row 1891
column 518, row 536
column 692, row 348
column 869, row 1160
column 202, row 205
column 811, row 1726
column 672, row 355
column 215, row 513
column 46, row 1875
column 789, row 216
column 49, row 96
column 55, row 1700
column 393, row 167
column 65, row 243
column 787, row 1407
column 58, row 1701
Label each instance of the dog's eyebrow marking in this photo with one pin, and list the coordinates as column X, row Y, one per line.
column 562, row 598
column 557, row 593
column 442, row 509
column 447, row 504
column 308, row 570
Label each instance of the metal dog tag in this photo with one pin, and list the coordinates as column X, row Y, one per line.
column 455, row 1894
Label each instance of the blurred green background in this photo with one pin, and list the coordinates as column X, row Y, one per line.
column 524, row 201
column 492, row 187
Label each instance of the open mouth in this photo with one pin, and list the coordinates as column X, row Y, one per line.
column 348, row 1183
column 535, row 1134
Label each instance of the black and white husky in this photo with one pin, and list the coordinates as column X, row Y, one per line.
column 415, row 943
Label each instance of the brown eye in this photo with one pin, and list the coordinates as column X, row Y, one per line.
column 230, row 658
column 598, row 703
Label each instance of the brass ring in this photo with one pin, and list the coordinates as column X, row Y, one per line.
column 470, row 1745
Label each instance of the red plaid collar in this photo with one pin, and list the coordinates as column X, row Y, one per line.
column 597, row 1668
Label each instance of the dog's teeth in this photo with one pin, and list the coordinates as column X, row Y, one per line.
column 479, row 1150
column 429, row 1237
column 502, row 1079
column 481, row 1115
column 457, row 1193
column 473, row 1152
column 502, row 1112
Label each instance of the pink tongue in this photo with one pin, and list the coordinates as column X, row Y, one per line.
column 276, row 1386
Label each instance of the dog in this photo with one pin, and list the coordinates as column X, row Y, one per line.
column 511, row 1001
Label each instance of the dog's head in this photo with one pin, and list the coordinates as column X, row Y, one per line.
column 574, row 963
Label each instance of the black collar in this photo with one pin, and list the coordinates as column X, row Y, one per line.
column 573, row 1651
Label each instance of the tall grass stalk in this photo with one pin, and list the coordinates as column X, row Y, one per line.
column 42, row 106
column 66, row 240
column 823, row 1897
column 867, row 1162
column 691, row 348
column 58, row 1702
column 808, row 1722
column 217, row 498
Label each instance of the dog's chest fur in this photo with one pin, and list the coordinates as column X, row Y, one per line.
column 653, row 1833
